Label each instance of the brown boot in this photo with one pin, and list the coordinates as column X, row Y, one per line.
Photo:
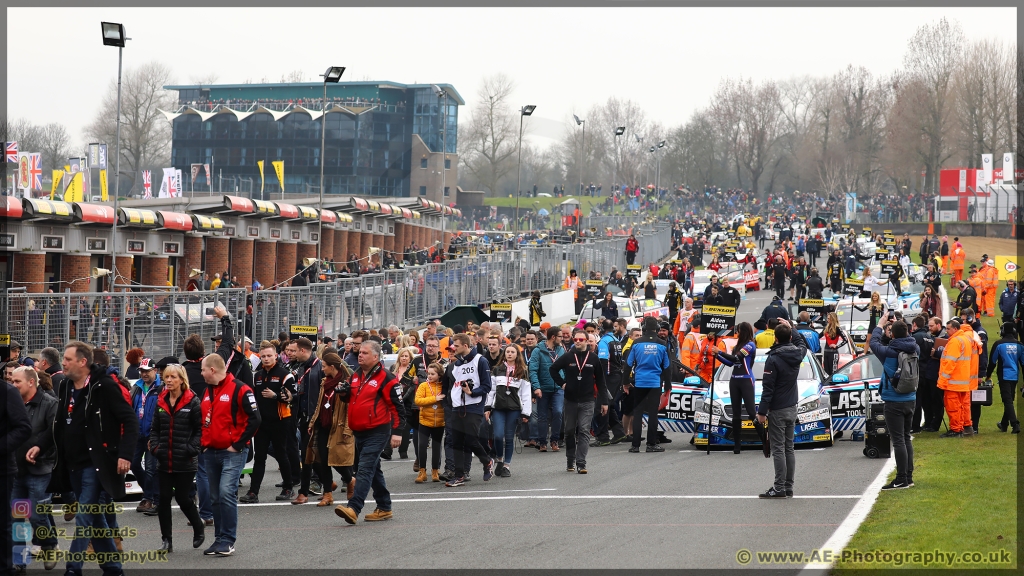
column 351, row 489
column 416, row 465
column 434, row 475
column 118, row 544
column 422, row 477
column 326, row 500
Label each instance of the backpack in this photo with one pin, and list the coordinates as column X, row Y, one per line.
column 907, row 375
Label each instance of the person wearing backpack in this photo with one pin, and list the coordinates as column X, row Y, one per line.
column 899, row 354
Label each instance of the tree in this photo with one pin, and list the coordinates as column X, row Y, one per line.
column 491, row 141
column 54, row 146
column 750, row 116
column 145, row 132
column 934, row 53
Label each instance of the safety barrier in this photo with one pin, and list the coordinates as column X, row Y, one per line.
column 159, row 321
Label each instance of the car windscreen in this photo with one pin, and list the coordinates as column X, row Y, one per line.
column 848, row 314
column 806, row 372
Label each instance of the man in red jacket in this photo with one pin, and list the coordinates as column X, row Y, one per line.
column 632, row 246
column 230, row 418
column 376, row 416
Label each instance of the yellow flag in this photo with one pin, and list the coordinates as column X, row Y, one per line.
column 103, row 184
column 67, row 168
column 74, row 191
column 279, row 169
column 58, row 175
column 260, row 164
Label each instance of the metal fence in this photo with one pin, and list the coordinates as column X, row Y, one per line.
column 158, row 322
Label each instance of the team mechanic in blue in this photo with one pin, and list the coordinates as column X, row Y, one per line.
column 1009, row 354
column 648, row 358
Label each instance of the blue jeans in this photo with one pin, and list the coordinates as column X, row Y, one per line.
column 224, row 470
column 549, row 409
column 33, row 488
column 369, row 474
column 504, row 424
column 86, row 484
column 203, row 490
column 145, row 477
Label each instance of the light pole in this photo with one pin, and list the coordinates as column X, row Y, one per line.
column 657, row 177
column 647, row 175
column 615, row 168
column 332, row 75
column 441, row 93
column 583, row 148
column 523, row 112
column 113, row 35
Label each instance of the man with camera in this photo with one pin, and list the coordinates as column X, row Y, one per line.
column 898, row 390
column 470, row 380
column 376, row 416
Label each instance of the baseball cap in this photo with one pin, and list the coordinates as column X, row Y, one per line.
column 217, row 338
column 166, row 361
column 147, row 364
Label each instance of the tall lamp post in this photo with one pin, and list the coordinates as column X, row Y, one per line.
column 113, row 35
column 441, row 93
column 332, row 75
column 583, row 145
column 657, row 177
column 615, row 168
column 523, row 112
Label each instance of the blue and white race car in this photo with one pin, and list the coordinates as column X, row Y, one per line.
column 687, row 410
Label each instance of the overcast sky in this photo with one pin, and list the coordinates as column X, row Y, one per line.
column 564, row 60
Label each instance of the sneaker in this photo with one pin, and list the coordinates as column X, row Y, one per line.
column 554, row 446
column 456, row 482
column 466, row 477
column 446, row 475
column 634, row 449
column 581, row 469
column 772, row 493
column 347, row 513
column 498, row 467
column 146, row 504
column 654, row 448
column 377, row 515
column 1002, row 427
column 1016, row 429
column 154, row 511
column 570, row 468
column 315, row 488
column 618, row 439
column 789, row 493
column 952, row 434
column 489, row 470
column 543, row 448
column 212, row 550
column 896, row 485
column 969, row 431
column 505, row 472
column 225, row 550
column 595, row 443
column 286, row 495
column 249, row 498
column 910, row 482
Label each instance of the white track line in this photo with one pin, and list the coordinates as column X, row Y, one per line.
column 435, row 493
column 844, row 533
column 623, row 497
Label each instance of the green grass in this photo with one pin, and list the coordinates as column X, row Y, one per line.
column 964, row 497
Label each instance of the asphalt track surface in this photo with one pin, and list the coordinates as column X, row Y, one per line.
column 677, row 509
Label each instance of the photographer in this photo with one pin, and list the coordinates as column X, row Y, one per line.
column 899, row 407
column 471, row 381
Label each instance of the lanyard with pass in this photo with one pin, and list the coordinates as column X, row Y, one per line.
column 71, row 400
column 579, row 366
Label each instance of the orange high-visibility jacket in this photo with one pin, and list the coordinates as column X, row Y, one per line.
column 990, row 277
column 706, row 359
column 957, row 257
column 572, row 284
column 978, row 284
column 958, row 367
column 689, row 350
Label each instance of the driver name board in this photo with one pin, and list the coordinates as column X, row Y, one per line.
column 717, row 318
column 881, row 254
column 633, row 270
column 853, row 286
column 595, row 288
column 811, row 305
column 501, row 312
column 889, row 267
column 297, row 330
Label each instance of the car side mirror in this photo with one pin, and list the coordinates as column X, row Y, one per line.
column 840, row 379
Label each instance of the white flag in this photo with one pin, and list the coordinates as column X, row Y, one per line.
column 177, row 181
column 986, row 169
column 167, row 189
column 1008, row 168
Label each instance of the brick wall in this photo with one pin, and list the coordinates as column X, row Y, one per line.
column 125, row 271
column 193, row 258
column 327, row 244
column 154, row 270
column 74, row 267
column 265, row 263
column 341, row 247
column 286, row 259
column 30, row 272
column 217, row 253
column 241, row 261
column 304, row 251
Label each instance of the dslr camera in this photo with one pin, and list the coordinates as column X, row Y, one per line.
column 343, row 390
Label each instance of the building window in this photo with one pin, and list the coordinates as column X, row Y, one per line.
column 423, row 190
column 447, row 163
column 446, row 191
column 423, row 162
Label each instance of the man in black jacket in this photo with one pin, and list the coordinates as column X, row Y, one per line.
column 36, row 456
column 95, row 433
column 15, row 429
column 584, row 379
column 779, row 396
column 273, row 386
column 308, row 372
column 968, row 298
column 730, row 295
column 815, row 286
column 929, row 397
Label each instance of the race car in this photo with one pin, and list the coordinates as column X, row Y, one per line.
column 689, row 402
column 853, row 388
column 702, row 278
column 634, row 309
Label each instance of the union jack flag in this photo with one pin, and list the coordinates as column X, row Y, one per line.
column 12, row 152
column 35, row 169
column 147, row 183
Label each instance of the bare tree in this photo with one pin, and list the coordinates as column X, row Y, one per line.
column 752, row 118
column 145, row 132
column 55, row 146
column 933, row 55
column 206, row 79
column 491, row 140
